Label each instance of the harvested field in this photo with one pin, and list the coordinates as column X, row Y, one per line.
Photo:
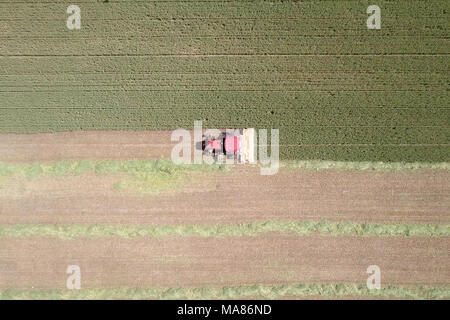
column 101, row 145
column 307, row 232
column 241, row 195
column 269, row 260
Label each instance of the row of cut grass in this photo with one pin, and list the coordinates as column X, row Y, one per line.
column 70, row 232
column 137, row 168
column 162, row 174
column 363, row 165
column 145, row 175
column 144, row 169
column 263, row 291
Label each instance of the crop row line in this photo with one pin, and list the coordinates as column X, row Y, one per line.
column 112, row 55
column 7, row 146
column 231, row 72
column 199, row 106
column 232, row 36
column 221, row 83
column 184, row 18
column 233, row 90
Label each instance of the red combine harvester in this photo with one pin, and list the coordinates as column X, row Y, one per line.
column 238, row 145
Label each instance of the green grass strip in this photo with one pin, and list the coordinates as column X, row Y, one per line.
column 137, row 168
column 68, row 232
column 363, row 165
column 146, row 175
column 264, row 291
column 143, row 169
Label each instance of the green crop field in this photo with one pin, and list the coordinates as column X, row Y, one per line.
column 336, row 90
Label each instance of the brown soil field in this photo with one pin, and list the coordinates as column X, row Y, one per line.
column 242, row 195
column 85, row 145
column 272, row 259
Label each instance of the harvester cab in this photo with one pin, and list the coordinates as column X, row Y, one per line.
column 236, row 144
